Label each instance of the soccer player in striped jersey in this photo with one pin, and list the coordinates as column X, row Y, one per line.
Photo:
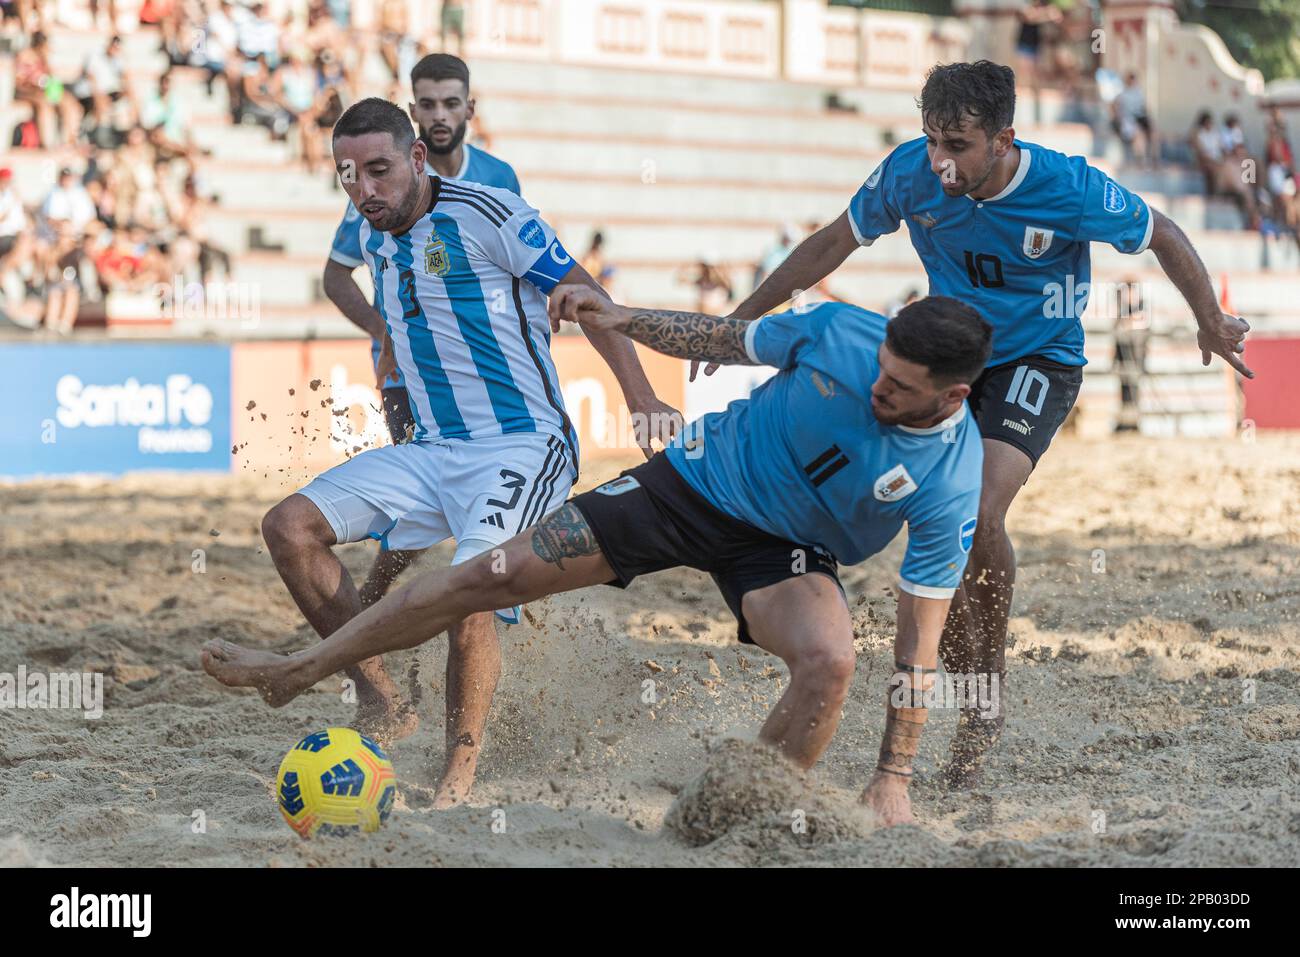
column 442, row 108
column 1006, row 226
column 462, row 273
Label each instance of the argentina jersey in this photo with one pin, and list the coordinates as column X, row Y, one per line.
column 804, row 457
column 1021, row 257
column 479, row 166
column 463, row 294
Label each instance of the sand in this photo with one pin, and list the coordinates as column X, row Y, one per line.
column 1159, row 590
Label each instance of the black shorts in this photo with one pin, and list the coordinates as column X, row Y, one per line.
column 1025, row 401
column 649, row 519
column 397, row 413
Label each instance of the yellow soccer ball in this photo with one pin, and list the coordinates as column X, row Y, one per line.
column 335, row 781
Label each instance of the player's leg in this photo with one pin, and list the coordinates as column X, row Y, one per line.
column 473, row 670
column 805, row 622
column 1019, row 407
column 560, row 554
column 300, row 540
column 490, row 488
column 390, row 563
column 975, row 634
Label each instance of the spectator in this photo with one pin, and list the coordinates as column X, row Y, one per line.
column 1281, row 177
column 65, row 214
column 34, row 83
column 786, row 240
column 1234, row 138
column 451, row 22
column 219, row 43
column 393, row 27
column 111, row 10
column 295, row 84
column 188, row 213
column 713, row 290
column 258, row 35
column 100, row 86
column 25, row 134
column 1130, row 121
column 160, row 117
column 596, row 264
column 15, row 241
column 258, row 101
column 1031, row 40
column 1207, row 147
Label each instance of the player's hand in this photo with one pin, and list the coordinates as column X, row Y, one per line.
column 387, row 365
column 585, row 306
column 655, row 420
column 709, row 369
column 1225, row 336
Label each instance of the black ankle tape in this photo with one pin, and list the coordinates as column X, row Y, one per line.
column 902, row 666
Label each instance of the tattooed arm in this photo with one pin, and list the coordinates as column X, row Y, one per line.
column 684, row 335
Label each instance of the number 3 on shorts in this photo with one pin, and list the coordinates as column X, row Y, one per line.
column 1022, row 384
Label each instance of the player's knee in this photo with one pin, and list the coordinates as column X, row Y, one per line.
column 827, row 664
column 293, row 523
column 992, row 521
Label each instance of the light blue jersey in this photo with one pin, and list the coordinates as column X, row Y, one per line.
column 804, row 458
column 478, row 167
column 463, row 295
column 1021, row 257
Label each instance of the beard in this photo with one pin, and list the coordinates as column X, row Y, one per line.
column 912, row 418
column 393, row 218
column 983, row 178
column 457, row 137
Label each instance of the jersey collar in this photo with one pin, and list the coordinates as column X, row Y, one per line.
column 948, row 423
column 464, row 166
column 1021, row 172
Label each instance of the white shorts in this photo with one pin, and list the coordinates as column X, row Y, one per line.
column 481, row 492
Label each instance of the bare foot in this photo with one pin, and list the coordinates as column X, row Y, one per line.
column 386, row 720
column 974, row 738
column 274, row 676
column 458, row 777
column 886, row 795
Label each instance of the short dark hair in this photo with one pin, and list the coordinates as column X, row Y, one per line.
column 374, row 115
column 947, row 336
column 983, row 89
column 440, row 66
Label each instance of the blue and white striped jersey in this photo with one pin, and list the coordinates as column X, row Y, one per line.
column 479, row 166
column 463, row 294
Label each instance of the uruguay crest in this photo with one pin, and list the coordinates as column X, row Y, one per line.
column 1037, row 241
column 436, row 260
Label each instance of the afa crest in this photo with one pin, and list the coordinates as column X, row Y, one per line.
column 436, row 260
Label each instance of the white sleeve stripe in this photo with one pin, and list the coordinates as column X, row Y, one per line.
column 1146, row 238
column 857, row 233
column 925, row 591
column 343, row 259
column 750, row 332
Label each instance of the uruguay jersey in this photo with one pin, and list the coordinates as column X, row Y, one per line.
column 478, row 167
column 463, row 295
column 1021, row 257
column 804, row 457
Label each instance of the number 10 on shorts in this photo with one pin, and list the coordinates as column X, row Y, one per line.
column 1022, row 385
